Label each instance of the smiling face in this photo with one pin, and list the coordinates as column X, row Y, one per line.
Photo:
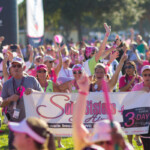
column 17, row 70
column 66, row 64
column 49, row 64
column 20, row 140
column 99, row 73
column 146, row 77
column 77, row 73
column 41, row 74
column 129, row 69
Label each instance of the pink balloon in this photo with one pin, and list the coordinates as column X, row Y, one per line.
column 58, row 38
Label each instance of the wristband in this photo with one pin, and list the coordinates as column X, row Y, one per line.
column 107, row 34
column 108, row 65
column 83, row 93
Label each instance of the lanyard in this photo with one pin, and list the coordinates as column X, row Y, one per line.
column 46, row 85
column 17, row 90
column 15, row 86
column 52, row 75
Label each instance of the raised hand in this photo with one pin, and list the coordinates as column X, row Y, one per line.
column 83, row 83
column 28, row 91
column 107, row 28
column 2, row 39
column 113, row 56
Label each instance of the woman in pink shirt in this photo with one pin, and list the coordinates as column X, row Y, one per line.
column 144, row 86
column 126, row 83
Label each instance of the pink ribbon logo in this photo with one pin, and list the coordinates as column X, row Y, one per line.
column 21, row 90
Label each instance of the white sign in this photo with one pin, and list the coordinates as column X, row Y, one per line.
column 131, row 109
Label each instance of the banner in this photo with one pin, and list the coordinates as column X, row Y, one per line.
column 131, row 109
column 9, row 21
column 35, row 22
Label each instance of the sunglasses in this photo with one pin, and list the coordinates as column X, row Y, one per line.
column 145, row 75
column 77, row 72
column 128, row 67
column 104, row 142
column 18, row 66
column 50, row 62
column 41, row 71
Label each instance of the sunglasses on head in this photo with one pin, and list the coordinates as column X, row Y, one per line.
column 128, row 67
column 77, row 72
column 18, row 66
column 145, row 75
column 104, row 142
column 41, row 71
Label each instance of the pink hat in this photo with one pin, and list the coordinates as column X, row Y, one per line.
column 41, row 66
column 102, row 131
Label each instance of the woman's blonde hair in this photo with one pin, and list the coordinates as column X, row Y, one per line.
column 98, row 65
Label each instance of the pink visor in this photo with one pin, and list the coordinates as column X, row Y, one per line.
column 77, row 67
column 42, row 66
column 23, row 127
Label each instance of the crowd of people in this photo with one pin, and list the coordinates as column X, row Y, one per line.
column 72, row 67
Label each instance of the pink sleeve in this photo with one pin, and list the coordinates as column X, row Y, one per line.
column 122, row 82
column 137, row 87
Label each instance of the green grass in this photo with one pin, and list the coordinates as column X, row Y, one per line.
column 67, row 142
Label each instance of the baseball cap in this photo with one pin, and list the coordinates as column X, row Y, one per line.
column 18, row 60
column 146, row 67
column 65, row 59
column 23, row 127
column 37, row 56
column 41, row 66
column 49, row 58
column 102, row 131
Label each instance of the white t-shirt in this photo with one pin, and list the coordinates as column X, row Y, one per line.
column 65, row 73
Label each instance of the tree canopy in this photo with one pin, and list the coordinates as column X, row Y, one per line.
column 66, row 15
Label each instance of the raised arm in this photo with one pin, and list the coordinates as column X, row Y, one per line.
column 138, row 58
column 5, row 73
column 103, row 45
column 132, row 35
column 31, row 53
column 79, row 130
column 57, row 69
column 112, row 82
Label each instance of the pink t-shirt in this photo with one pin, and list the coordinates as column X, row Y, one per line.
column 123, row 82
column 146, row 62
column 138, row 86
